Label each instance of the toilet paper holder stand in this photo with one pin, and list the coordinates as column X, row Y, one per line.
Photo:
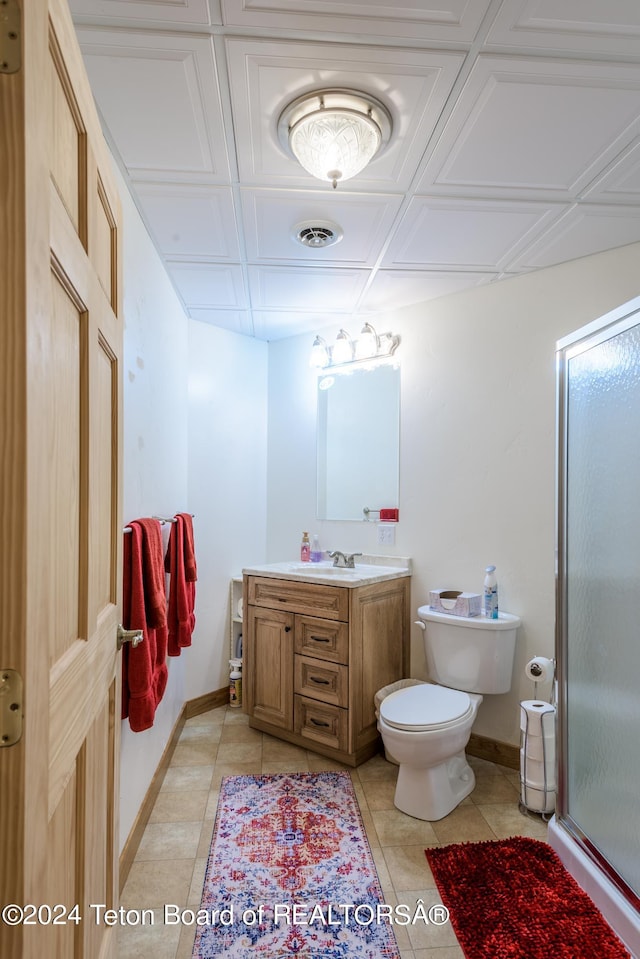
column 539, row 795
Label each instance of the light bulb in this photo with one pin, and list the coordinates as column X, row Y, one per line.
column 367, row 343
column 319, row 354
column 343, row 349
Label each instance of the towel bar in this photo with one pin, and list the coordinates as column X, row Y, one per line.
column 161, row 520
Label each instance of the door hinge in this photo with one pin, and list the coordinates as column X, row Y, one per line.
column 10, row 46
column 10, row 707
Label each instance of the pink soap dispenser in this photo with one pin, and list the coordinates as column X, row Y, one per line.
column 305, row 548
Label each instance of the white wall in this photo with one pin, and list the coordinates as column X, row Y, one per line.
column 227, row 485
column 154, row 458
column 477, row 469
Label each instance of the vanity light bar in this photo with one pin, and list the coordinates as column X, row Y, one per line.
column 369, row 346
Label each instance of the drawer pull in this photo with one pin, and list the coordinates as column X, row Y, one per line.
column 287, row 629
column 320, row 639
column 317, row 722
column 316, row 679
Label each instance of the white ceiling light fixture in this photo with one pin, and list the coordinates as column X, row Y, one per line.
column 335, row 133
column 370, row 347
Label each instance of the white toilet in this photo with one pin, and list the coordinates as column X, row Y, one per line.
column 425, row 728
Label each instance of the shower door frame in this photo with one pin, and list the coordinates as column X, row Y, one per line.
column 599, row 331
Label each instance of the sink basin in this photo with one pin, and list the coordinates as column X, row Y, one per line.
column 328, row 574
column 322, row 569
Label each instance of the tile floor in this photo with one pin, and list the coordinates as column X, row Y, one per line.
column 171, row 860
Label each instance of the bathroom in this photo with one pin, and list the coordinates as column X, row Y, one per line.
column 477, row 454
column 224, row 426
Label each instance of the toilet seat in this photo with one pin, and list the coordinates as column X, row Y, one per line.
column 425, row 706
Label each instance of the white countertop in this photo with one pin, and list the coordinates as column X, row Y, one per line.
column 368, row 569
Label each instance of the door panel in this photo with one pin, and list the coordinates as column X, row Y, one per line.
column 60, row 494
column 271, row 680
column 62, row 863
column 97, row 856
column 67, row 147
column 104, row 244
column 104, row 485
column 61, row 415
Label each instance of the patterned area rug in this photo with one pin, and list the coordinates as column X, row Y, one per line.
column 290, row 873
column 513, row 899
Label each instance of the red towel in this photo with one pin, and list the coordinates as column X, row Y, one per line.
column 144, row 668
column 180, row 563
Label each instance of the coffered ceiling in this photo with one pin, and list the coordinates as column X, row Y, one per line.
column 515, row 145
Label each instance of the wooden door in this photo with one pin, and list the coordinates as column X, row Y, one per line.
column 60, row 429
column 269, row 666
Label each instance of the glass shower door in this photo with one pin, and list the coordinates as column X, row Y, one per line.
column 599, row 592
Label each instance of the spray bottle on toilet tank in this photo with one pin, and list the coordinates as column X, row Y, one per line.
column 490, row 593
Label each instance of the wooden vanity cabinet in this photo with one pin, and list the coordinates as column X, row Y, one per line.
column 315, row 655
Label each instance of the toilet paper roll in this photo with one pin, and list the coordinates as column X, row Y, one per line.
column 532, row 717
column 538, row 747
column 537, row 775
column 540, row 669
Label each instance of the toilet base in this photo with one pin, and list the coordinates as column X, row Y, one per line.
column 432, row 793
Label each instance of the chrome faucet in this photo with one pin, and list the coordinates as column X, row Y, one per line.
column 343, row 560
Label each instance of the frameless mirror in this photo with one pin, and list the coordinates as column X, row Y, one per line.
column 358, row 441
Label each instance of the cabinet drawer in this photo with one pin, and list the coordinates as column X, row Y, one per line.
column 330, row 602
column 319, row 679
column 322, row 639
column 321, row 722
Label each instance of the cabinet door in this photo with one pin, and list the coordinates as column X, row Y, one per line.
column 269, row 669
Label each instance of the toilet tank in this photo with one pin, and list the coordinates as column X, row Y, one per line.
column 471, row 653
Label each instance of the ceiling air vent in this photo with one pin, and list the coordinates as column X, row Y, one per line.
column 317, row 234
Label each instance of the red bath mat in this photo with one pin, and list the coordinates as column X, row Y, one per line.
column 513, row 899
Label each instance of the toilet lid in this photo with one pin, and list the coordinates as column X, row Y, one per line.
column 416, row 707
